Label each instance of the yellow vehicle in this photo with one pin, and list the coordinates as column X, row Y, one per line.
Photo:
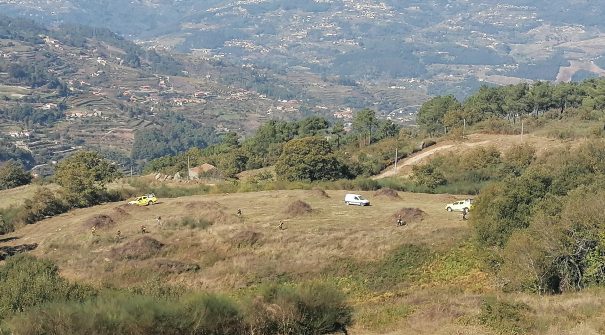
column 144, row 200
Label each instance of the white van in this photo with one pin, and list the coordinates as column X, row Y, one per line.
column 356, row 199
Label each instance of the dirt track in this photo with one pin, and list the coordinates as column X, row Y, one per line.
column 502, row 142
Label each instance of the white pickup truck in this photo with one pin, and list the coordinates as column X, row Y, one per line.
column 460, row 205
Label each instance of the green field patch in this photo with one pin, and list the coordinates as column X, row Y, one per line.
column 382, row 317
column 401, row 266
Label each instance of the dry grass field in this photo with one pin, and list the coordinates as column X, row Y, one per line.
column 16, row 196
column 308, row 242
column 422, row 278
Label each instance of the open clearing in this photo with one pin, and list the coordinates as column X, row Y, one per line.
column 241, row 252
column 358, row 249
column 308, row 243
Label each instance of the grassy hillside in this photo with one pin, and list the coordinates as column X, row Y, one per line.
column 423, row 278
column 539, row 140
column 17, row 196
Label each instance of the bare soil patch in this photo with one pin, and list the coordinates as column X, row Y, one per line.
column 319, row 193
column 298, row 208
column 409, row 215
column 387, row 193
column 140, row 248
column 100, row 221
column 120, row 213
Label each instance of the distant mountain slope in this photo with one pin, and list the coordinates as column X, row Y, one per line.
column 391, row 53
column 72, row 87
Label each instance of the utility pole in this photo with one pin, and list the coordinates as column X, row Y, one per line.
column 188, row 167
column 463, row 127
column 395, row 159
column 521, row 129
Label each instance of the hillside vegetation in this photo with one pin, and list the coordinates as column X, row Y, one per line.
column 266, row 244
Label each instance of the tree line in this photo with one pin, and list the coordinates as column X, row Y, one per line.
column 309, row 149
column 172, row 134
column 442, row 113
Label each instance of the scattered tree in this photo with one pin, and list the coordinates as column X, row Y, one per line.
column 310, row 159
column 12, row 175
column 430, row 116
column 83, row 176
column 338, row 130
column 364, row 123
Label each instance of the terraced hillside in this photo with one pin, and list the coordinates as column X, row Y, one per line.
column 62, row 91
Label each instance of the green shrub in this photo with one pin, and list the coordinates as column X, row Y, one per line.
column 313, row 308
column 308, row 158
column 162, row 191
column 520, row 157
column 506, row 317
column 43, row 204
column 116, row 313
column 549, row 239
column 213, row 314
column 366, row 184
column 504, row 207
column 155, row 288
column 496, row 125
column 83, row 177
column 8, row 219
column 310, row 309
column 395, row 269
column 12, row 174
column 26, row 282
column 401, row 263
column 562, row 134
column 427, row 175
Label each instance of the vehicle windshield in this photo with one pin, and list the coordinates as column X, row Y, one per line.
column 360, row 198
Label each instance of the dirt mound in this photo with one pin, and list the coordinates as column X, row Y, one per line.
column 120, row 213
column 318, row 192
column 174, row 267
column 409, row 215
column 100, row 221
column 297, row 208
column 206, row 205
column 246, row 238
column 387, row 193
column 140, row 248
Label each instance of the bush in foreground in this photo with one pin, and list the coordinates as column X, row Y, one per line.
column 34, row 299
column 26, row 282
